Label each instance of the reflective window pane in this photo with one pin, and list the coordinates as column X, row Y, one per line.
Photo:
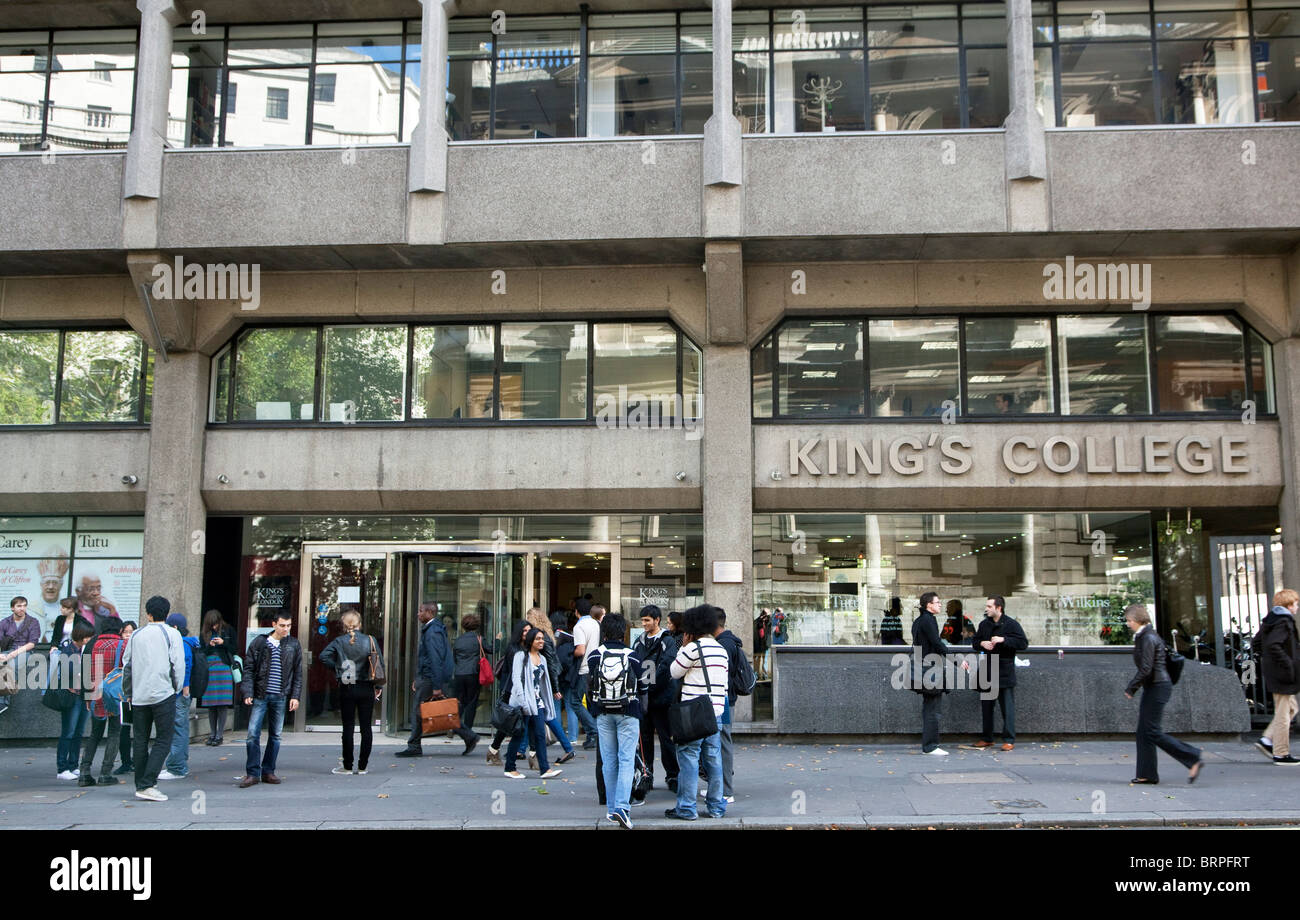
column 22, row 105
column 1045, row 86
column 271, row 110
column 1106, row 83
column 692, row 371
column 632, row 95
column 356, row 105
column 1277, row 78
column 644, row 33
column 697, row 92
column 543, row 371
column 819, row 91
column 820, row 368
column 86, row 113
column 750, row 86
column 988, row 98
column 697, row 31
column 984, row 24
column 28, row 364
column 453, row 372
column 194, row 105
column 1008, row 366
column 761, row 368
column 220, row 387
column 915, row 89
column 1275, row 18
column 101, row 377
column 537, row 81
column 1206, row 82
column 469, row 93
column 1104, row 365
column 635, row 369
column 1192, row 20
column 360, row 42
column 364, row 373
column 1084, row 20
column 913, row 365
column 270, row 45
column 1200, row 364
column 275, row 375
column 1261, row 372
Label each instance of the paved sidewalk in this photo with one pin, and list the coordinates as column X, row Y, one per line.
column 1069, row 784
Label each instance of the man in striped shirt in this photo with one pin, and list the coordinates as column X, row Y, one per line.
column 702, row 666
column 272, row 677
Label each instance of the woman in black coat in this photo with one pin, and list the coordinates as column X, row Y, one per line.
column 1151, row 656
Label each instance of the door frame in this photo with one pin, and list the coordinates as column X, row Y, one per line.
column 394, row 552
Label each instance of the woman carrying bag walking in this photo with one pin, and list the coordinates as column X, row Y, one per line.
column 530, row 691
column 358, row 663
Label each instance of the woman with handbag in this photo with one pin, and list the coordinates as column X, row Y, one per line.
column 1151, row 656
column 702, row 665
column 469, row 657
column 540, row 620
column 218, row 644
column 504, row 671
column 358, row 664
column 530, row 691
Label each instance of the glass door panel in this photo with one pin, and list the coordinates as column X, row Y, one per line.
column 338, row 583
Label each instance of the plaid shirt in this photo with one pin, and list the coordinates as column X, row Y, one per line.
column 103, row 658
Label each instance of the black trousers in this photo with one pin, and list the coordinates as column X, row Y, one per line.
column 108, row 730
column 1007, row 703
column 931, row 703
column 1151, row 710
column 655, row 722
column 124, row 738
column 423, row 693
column 160, row 717
column 357, row 704
column 467, row 688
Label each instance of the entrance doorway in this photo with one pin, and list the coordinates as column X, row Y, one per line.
column 387, row 582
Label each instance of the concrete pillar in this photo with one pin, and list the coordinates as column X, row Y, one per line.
column 1286, row 361
column 722, row 164
column 175, row 518
column 873, row 552
column 142, row 175
column 727, row 446
column 1028, row 583
column 1026, row 142
column 426, row 178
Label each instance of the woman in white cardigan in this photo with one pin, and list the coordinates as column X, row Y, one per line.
column 530, row 690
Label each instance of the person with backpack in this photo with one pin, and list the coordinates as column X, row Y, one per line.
column 703, row 668
column 196, row 677
column 741, row 681
column 124, row 743
column 1279, row 647
column 358, row 665
column 65, row 679
column 530, row 691
column 218, row 650
column 586, row 636
column 153, row 669
column 656, row 649
column 105, row 711
column 615, row 672
column 1151, row 656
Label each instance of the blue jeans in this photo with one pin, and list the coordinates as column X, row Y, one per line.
column 257, row 764
column 618, row 737
column 555, row 726
column 178, row 761
column 73, row 726
column 534, row 729
column 689, row 757
column 573, row 699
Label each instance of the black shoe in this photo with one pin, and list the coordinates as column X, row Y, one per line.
column 1265, row 749
column 469, row 746
column 672, row 784
column 124, row 769
column 590, row 744
column 1194, row 771
column 566, row 758
column 108, row 780
column 1287, row 761
column 674, row 813
column 85, row 779
column 409, row 752
column 1139, row 781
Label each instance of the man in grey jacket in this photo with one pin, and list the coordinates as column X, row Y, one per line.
column 153, row 672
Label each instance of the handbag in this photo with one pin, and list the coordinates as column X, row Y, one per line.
column 693, row 719
column 507, row 719
column 641, row 780
column 439, row 716
column 485, row 674
column 1174, row 664
column 58, row 699
column 377, row 673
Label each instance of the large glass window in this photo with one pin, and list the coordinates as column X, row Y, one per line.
column 1103, row 365
column 67, row 90
column 1261, row 372
column 914, row 366
column 915, row 71
column 1200, row 364
column 544, row 370
column 636, row 370
column 820, row 368
column 453, row 372
column 817, row 70
column 29, row 363
column 1277, row 59
column 1008, row 365
column 537, row 66
column 364, row 373
column 328, row 83
column 631, row 74
column 102, row 377
column 854, row 579
column 469, row 80
column 275, row 375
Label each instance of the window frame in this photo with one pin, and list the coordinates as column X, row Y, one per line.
column 57, row 423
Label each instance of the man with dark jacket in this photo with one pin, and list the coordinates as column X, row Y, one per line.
column 272, row 676
column 656, row 650
column 1280, row 658
column 925, row 636
column 736, row 665
column 1000, row 637
column 433, row 672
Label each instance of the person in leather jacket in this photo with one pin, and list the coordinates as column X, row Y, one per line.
column 1150, row 655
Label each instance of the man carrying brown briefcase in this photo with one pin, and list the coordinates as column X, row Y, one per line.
column 433, row 672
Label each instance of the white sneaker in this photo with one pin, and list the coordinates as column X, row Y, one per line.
column 341, row 771
column 76, row 773
column 729, row 799
column 938, row 752
column 361, row 773
column 67, row 774
column 150, row 795
column 168, row 774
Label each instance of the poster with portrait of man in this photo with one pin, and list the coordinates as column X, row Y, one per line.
column 37, row 569
column 112, row 584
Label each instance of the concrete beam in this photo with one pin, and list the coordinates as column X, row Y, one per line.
column 153, row 73
column 724, row 267
column 167, row 325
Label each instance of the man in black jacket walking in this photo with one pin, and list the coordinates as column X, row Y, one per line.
column 1280, row 657
column 1000, row 637
column 433, row 672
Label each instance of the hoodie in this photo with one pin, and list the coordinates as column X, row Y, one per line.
column 1279, row 651
column 735, row 651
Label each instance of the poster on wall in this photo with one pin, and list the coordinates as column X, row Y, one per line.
column 114, row 582
column 35, row 566
column 268, row 596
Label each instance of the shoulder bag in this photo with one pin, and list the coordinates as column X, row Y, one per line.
column 485, row 674
column 377, row 673
column 693, row 719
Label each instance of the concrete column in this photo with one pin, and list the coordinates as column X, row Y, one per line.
column 142, row 175
column 873, row 552
column 1026, row 143
column 175, row 517
column 1028, row 583
column 727, row 446
column 723, row 164
column 426, row 178
column 1286, row 361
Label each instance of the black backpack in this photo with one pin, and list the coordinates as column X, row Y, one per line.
column 198, row 673
column 742, row 677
